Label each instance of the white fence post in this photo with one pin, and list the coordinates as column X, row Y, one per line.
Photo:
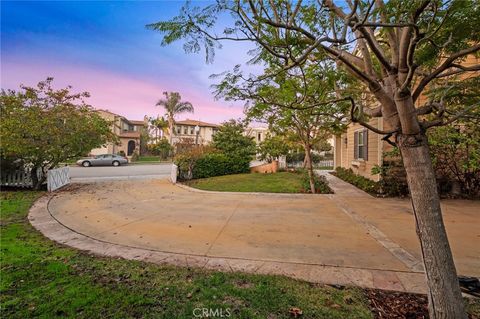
column 174, row 173
column 57, row 178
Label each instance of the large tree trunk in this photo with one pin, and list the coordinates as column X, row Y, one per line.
column 444, row 296
column 309, row 165
column 36, row 182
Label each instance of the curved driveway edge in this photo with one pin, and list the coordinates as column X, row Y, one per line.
column 407, row 281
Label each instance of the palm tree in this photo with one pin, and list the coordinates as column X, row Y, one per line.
column 160, row 124
column 173, row 106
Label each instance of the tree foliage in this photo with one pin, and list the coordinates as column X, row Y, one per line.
column 272, row 147
column 230, row 140
column 44, row 127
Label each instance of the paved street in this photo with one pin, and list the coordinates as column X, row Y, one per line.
column 105, row 173
column 346, row 238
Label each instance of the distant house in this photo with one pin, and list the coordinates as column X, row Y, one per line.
column 194, row 131
column 127, row 131
column 258, row 134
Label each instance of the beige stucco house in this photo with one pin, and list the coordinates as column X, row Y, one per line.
column 258, row 134
column 197, row 132
column 361, row 149
column 128, row 133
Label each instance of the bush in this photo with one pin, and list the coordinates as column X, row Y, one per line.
column 162, row 148
column 216, row 164
column 320, row 182
column 295, row 157
column 203, row 162
column 359, row 181
column 134, row 157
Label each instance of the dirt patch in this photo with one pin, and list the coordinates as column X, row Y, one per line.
column 399, row 305
column 396, row 305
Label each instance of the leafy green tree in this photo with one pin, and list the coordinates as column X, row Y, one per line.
column 396, row 49
column 293, row 103
column 272, row 147
column 44, row 127
column 231, row 140
column 173, row 105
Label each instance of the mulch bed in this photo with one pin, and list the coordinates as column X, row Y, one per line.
column 397, row 305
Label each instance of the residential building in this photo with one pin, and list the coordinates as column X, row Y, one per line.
column 128, row 133
column 257, row 133
column 193, row 131
column 361, row 149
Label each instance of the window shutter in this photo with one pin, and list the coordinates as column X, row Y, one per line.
column 365, row 144
column 355, row 145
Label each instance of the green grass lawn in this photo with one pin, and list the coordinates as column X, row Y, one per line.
column 143, row 159
column 43, row 279
column 281, row 182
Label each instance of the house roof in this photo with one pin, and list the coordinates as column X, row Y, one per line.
column 135, row 122
column 194, row 122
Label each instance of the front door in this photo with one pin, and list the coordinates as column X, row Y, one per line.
column 130, row 148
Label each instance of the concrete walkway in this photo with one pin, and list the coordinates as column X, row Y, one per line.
column 361, row 241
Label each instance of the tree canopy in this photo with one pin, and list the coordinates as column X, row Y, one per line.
column 44, row 127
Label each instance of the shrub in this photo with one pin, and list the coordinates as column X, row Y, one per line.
column 320, row 182
column 162, row 148
column 203, row 162
column 216, row 164
column 359, row 181
column 295, row 157
column 134, row 157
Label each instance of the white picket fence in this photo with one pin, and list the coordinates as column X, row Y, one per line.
column 56, row 178
column 19, row 178
column 325, row 163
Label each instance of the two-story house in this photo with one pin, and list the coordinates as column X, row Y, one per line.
column 128, row 133
column 197, row 132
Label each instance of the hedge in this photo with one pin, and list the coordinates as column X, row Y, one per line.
column 361, row 182
column 216, row 164
column 198, row 164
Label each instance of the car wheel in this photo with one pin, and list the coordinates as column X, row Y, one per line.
column 86, row 164
column 116, row 163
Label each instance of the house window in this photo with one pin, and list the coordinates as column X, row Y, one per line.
column 361, row 144
column 259, row 137
column 179, row 130
column 185, row 130
column 192, row 130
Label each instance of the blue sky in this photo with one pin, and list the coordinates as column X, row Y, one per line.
column 103, row 47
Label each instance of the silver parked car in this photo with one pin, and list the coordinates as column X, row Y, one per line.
column 103, row 160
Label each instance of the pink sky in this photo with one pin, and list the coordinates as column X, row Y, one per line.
column 119, row 93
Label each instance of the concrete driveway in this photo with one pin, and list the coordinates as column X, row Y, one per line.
column 124, row 172
column 347, row 238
